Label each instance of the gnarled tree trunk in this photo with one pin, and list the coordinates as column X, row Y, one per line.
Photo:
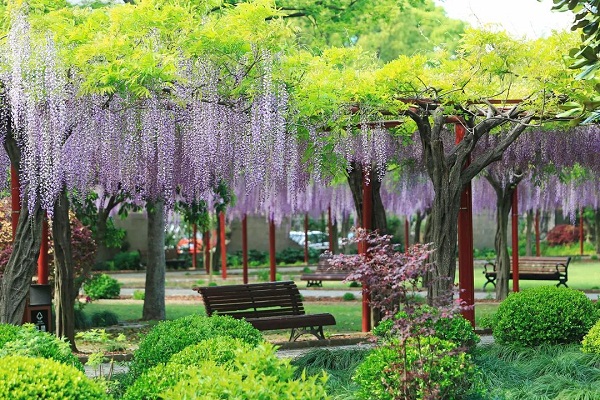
column 26, row 250
column 355, row 180
column 65, row 292
column 154, row 300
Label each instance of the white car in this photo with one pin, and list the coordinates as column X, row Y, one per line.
column 316, row 239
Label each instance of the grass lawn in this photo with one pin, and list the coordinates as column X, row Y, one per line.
column 347, row 313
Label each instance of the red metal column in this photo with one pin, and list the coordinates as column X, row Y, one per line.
column 367, row 210
column 245, row 249
column 515, row 239
column 223, row 245
column 195, row 252
column 306, row 238
column 330, row 229
column 581, row 231
column 15, row 194
column 538, row 251
column 206, row 239
column 43, row 257
column 273, row 268
column 406, row 233
column 465, row 242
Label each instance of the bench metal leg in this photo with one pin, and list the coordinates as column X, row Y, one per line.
column 564, row 283
column 317, row 331
column 314, row 284
column 489, row 280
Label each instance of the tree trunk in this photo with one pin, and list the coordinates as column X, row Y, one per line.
column 216, row 258
column 64, row 292
column 503, row 207
column 597, row 230
column 334, row 237
column 355, row 180
column 102, row 252
column 22, row 264
column 444, row 233
column 529, row 235
column 418, row 222
column 154, row 301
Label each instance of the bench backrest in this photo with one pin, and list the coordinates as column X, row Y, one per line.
column 543, row 261
column 255, row 300
column 325, row 267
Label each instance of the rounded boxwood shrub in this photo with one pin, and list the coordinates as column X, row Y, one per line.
column 432, row 367
column 27, row 341
column 102, row 286
column 455, row 329
column 544, row 315
column 25, row 378
column 254, row 374
column 591, row 341
column 8, row 333
column 170, row 337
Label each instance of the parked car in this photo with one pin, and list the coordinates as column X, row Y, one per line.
column 316, row 239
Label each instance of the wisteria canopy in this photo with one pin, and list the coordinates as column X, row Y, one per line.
column 164, row 99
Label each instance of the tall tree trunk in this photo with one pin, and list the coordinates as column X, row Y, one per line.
column 216, row 258
column 597, row 230
column 63, row 270
column 418, row 222
column 102, row 252
column 444, row 233
column 154, row 301
column 529, row 235
column 355, row 180
column 334, row 237
column 22, row 264
column 503, row 207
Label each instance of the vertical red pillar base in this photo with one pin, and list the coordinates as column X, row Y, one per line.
column 195, row 252
column 43, row 257
column 515, row 239
column 465, row 243
column 367, row 210
column 272, row 263
column 223, row 245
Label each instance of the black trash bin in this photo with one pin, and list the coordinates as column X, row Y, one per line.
column 39, row 309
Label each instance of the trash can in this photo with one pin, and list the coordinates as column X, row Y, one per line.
column 39, row 307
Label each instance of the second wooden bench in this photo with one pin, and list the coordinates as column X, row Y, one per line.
column 534, row 268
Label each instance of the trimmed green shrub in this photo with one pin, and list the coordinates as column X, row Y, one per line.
column 104, row 318
column 264, row 275
column 431, row 367
column 591, row 341
column 456, row 329
column 348, row 297
column 544, row 315
column 8, row 333
column 28, row 341
column 290, row 255
column 102, row 286
column 82, row 320
column 255, row 374
column 139, row 295
column 25, row 378
column 220, row 350
column 170, row 337
column 127, row 261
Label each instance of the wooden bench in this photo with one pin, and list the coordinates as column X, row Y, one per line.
column 324, row 272
column 534, row 268
column 267, row 306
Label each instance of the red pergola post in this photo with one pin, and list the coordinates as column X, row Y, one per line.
column 330, row 229
column 306, row 238
column 206, row 237
column 581, row 232
column 465, row 242
column 515, row 239
column 223, row 245
column 406, row 233
column 272, row 266
column 43, row 257
column 15, row 193
column 245, row 249
column 195, row 252
column 367, row 210
column 538, row 251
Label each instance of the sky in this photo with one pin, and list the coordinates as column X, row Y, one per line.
column 529, row 18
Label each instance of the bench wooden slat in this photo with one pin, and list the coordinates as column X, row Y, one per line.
column 271, row 305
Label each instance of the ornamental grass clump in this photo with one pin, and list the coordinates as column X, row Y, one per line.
column 544, row 315
column 413, row 359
